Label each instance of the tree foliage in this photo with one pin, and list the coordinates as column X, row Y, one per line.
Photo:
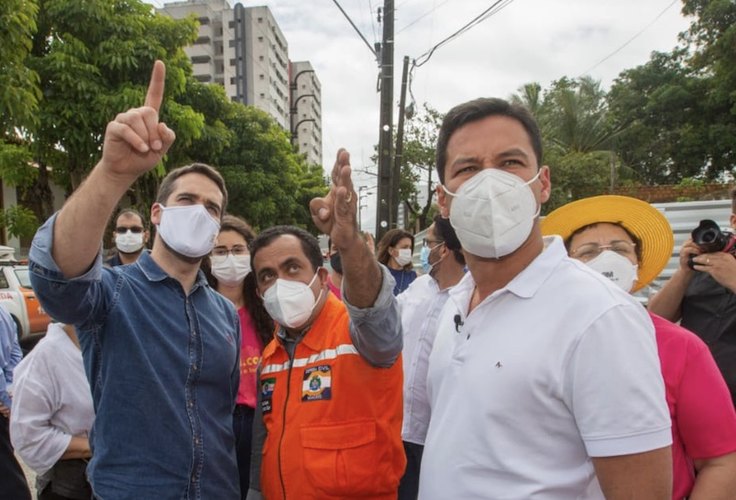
column 267, row 182
column 417, row 165
column 68, row 67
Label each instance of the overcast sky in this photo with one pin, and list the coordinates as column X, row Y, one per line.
column 527, row 41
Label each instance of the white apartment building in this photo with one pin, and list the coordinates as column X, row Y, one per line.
column 306, row 111
column 241, row 48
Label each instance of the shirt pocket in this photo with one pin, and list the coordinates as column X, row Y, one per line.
column 348, row 459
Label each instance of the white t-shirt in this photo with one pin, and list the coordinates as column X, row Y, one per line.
column 557, row 367
column 52, row 401
column 420, row 306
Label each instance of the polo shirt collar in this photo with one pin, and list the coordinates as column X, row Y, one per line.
column 527, row 282
column 530, row 279
column 153, row 272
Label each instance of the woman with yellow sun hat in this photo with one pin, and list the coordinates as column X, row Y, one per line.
column 630, row 242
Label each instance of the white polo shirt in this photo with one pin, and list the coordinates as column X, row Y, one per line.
column 420, row 305
column 557, row 367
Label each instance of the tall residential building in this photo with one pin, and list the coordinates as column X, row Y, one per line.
column 306, row 111
column 241, row 48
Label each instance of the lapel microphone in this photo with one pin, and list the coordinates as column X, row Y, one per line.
column 458, row 322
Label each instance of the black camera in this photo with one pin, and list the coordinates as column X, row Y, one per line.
column 709, row 238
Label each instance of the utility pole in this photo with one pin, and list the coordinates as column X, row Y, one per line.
column 396, row 174
column 384, row 219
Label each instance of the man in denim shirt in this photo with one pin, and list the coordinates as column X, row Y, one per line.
column 160, row 347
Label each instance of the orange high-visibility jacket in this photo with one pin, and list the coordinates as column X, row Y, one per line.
column 333, row 419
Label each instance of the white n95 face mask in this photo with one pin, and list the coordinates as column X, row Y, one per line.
column 615, row 267
column 404, row 256
column 189, row 229
column 230, row 269
column 129, row 242
column 493, row 212
column 290, row 303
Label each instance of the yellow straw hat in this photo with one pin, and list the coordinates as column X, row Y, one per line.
column 639, row 217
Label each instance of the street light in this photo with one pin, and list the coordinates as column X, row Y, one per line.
column 292, row 109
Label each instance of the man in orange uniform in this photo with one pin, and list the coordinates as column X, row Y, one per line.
column 330, row 405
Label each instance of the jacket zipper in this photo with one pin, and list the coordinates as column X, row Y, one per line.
column 283, row 425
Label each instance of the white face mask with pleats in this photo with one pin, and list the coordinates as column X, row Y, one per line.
column 404, row 256
column 493, row 212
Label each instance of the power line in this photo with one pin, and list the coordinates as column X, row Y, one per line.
column 415, row 21
column 630, row 39
column 493, row 9
column 370, row 47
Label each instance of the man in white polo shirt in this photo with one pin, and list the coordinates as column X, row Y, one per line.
column 544, row 380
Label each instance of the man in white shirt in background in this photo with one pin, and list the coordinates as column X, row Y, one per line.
column 443, row 264
column 53, row 415
column 544, row 381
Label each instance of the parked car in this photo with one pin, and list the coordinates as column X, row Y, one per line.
column 17, row 296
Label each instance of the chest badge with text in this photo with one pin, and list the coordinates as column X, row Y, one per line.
column 317, row 383
column 267, row 387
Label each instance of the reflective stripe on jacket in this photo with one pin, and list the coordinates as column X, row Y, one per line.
column 333, row 420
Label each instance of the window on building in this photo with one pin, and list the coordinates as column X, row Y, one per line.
column 204, row 21
column 202, row 40
column 263, row 95
column 204, row 78
column 260, row 19
column 232, row 43
column 231, row 24
column 260, row 38
column 261, row 76
column 201, row 59
column 232, row 80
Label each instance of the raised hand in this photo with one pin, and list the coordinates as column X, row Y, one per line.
column 136, row 141
column 336, row 213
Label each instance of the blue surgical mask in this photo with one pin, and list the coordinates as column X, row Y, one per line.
column 424, row 259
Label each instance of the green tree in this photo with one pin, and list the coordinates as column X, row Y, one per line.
column 267, row 181
column 418, row 164
column 578, row 137
column 94, row 59
column 19, row 95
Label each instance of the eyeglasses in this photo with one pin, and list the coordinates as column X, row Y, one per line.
column 427, row 242
column 236, row 250
column 590, row 251
column 134, row 229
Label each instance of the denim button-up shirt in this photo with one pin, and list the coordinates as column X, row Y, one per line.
column 163, row 369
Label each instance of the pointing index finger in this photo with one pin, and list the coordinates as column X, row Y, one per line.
column 155, row 94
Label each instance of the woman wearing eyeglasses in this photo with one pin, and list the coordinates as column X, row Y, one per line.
column 228, row 272
column 630, row 242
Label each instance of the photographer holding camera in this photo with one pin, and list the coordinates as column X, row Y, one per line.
column 703, row 295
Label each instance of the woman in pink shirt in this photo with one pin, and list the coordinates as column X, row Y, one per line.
column 228, row 272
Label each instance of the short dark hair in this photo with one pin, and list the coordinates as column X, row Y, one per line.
column 634, row 238
column 391, row 239
column 134, row 212
column 446, row 232
column 169, row 183
column 310, row 244
column 478, row 109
